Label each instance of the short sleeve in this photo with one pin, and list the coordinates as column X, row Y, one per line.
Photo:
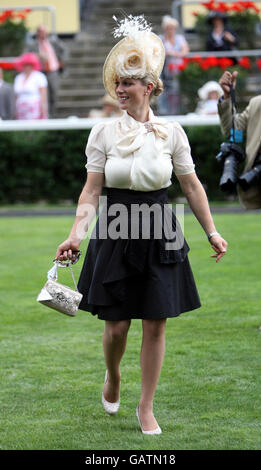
column 41, row 80
column 181, row 154
column 95, row 150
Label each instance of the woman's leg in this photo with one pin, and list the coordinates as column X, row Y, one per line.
column 114, row 345
column 151, row 359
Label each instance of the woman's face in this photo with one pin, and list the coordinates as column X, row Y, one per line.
column 170, row 30
column 213, row 95
column 27, row 68
column 218, row 23
column 131, row 93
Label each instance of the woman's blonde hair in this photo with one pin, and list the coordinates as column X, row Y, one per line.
column 157, row 82
column 168, row 20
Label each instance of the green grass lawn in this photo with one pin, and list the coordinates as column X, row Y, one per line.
column 52, row 366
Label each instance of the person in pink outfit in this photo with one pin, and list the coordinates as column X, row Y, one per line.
column 52, row 53
column 30, row 87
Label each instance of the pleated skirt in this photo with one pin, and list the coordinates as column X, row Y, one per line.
column 132, row 270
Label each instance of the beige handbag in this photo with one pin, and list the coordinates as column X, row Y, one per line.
column 58, row 296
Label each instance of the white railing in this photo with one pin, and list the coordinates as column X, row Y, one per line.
column 234, row 53
column 87, row 123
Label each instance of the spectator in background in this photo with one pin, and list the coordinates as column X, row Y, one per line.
column 7, row 102
column 30, row 88
column 249, row 122
column 52, row 53
column 209, row 95
column 110, row 108
column 220, row 37
column 176, row 47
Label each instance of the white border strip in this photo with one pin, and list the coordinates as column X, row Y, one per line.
column 72, row 122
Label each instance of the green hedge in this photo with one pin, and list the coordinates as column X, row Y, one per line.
column 42, row 165
column 49, row 165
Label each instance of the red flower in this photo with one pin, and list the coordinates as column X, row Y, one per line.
column 225, row 62
column 247, row 5
column 258, row 63
column 182, row 66
column 237, row 7
column 7, row 65
column 204, row 64
column 196, row 58
column 10, row 14
column 209, row 5
column 186, row 60
column 244, row 62
column 21, row 15
column 223, row 7
column 172, row 66
column 254, row 7
column 6, row 15
column 212, row 61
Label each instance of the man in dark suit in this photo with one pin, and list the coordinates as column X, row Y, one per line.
column 7, row 101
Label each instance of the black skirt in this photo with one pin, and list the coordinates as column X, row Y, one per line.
column 132, row 269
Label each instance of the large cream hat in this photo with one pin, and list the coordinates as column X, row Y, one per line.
column 139, row 53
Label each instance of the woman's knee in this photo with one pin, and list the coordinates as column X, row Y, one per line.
column 117, row 330
column 154, row 328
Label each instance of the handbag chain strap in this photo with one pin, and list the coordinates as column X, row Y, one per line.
column 53, row 272
column 75, row 285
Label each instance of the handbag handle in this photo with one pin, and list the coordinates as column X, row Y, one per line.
column 53, row 272
column 67, row 262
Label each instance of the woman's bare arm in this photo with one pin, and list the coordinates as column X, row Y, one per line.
column 197, row 199
column 87, row 206
column 44, row 102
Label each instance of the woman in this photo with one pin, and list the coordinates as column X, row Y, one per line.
column 220, row 37
column 131, row 277
column 110, row 108
column 30, row 88
column 209, row 95
column 176, row 47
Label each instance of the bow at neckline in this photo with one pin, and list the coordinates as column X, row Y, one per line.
column 131, row 134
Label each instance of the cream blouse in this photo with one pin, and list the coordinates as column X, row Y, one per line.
column 136, row 155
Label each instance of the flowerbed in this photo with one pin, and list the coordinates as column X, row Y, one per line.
column 12, row 32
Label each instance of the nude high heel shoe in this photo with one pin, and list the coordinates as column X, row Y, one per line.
column 153, row 431
column 111, row 408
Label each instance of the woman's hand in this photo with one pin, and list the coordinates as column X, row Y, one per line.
column 219, row 245
column 174, row 54
column 65, row 250
column 229, row 37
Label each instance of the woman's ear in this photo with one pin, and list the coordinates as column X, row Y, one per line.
column 150, row 87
